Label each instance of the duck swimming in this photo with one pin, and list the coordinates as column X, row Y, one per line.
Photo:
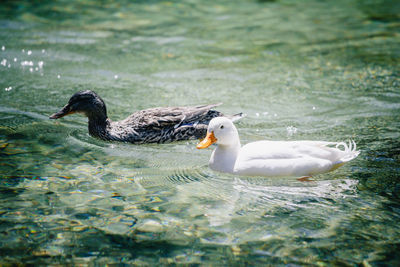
column 272, row 158
column 154, row 125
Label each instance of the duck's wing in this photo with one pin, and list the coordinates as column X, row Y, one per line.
column 280, row 158
column 290, row 149
column 172, row 116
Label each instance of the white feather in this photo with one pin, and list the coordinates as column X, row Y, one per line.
column 275, row 158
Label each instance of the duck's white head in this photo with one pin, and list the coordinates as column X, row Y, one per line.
column 221, row 131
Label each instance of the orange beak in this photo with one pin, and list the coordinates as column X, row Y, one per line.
column 208, row 141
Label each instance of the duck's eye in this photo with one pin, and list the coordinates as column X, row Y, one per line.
column 221, row 127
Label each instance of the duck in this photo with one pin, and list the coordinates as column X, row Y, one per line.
column 153, row 125
column 301, row 159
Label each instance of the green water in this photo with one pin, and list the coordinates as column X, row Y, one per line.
column 316, row 70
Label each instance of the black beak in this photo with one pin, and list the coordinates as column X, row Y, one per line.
column 66, row 110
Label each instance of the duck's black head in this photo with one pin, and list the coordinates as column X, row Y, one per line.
column 86, row 102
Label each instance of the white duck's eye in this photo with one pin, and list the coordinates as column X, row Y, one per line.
column 221, row 127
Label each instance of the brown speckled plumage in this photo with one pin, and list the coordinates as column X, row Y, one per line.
column 154, row 125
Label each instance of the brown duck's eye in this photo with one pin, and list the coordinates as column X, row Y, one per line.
column 221, row 127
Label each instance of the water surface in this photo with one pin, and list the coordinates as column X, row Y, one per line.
column 317, row 70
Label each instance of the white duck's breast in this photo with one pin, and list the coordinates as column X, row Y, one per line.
column 223, row 160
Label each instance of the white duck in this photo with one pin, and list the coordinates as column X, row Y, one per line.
column 272, row 158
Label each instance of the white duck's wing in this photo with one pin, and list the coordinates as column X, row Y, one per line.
column 284, row 149
column 296, row 158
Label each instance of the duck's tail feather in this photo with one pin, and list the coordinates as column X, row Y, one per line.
column 349, row 151
column 236, row 117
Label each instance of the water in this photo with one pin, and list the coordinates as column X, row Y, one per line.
column 319, row 70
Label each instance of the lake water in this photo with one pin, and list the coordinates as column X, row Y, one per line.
column 316, row 70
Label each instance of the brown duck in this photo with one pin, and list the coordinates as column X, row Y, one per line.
column 154, row 125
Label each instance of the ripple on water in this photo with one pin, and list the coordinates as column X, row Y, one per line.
column 160, row 40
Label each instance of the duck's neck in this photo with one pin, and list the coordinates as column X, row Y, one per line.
column 99, row 125
column 224, row 157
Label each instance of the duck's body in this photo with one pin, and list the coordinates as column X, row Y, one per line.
column 272, row 158
column 155, row 125
column 159, row 125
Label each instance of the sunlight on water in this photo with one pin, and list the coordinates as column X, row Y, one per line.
column 298, row 70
